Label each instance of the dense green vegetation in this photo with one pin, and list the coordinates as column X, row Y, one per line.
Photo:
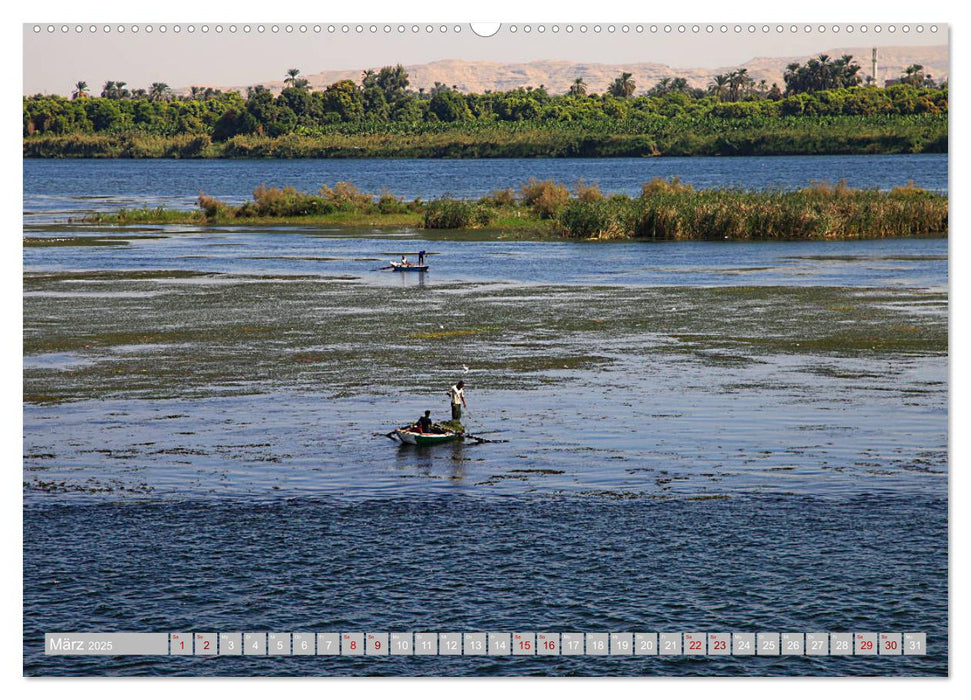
column 823, row 109
column 665, row 209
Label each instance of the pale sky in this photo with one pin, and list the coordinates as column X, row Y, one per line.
column 54, row 62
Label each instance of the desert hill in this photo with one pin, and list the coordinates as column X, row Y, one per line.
column 556, row 75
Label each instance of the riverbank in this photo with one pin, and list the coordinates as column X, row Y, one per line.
column 764, row 136
column 665, row 209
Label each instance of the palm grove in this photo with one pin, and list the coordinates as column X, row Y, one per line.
column 822, row 91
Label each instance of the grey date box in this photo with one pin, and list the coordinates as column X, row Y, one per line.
column 328, row 644
column 254, row 643
column 841, row 644
column 303, row 644
column 230, row 643
column 817, row 644
column 450, row 644
column 205, row 643
column 547, row 644
column 571, row 643
column 645, row 643
column 352, row 644
column 743, row 643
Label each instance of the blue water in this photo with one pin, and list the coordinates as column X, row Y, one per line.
column 899, row 263
column 85, row 185
column 258, row 516
column 473, row 564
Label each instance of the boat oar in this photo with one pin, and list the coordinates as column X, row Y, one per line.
column 386, row 267
column 479, row 439
column 390, row 435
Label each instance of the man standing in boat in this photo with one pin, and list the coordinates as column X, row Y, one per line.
column 457, row 395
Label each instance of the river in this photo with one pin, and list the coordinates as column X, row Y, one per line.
column 698, row 436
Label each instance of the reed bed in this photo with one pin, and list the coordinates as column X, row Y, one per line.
column 664, row 210
column 669, row 210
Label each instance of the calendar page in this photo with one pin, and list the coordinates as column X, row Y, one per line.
column 499, row 349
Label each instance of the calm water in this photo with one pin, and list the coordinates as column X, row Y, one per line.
column 468, row 563
column 239, row 479
column 85, row 185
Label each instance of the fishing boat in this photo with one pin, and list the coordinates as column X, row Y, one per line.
column 408, row 267
column 413, row 437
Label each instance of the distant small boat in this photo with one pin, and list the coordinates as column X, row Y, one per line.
column 413, row 437
column 408, row 267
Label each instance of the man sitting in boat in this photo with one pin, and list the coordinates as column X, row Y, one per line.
column 424, row 424
column 404, row 261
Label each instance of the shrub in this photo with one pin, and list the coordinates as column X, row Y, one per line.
column 660, row 186
column 389, row 204
column 273, row 201
column 213, row 208
column 587, row 193
column 593, row 219
column 544, row 196
column 346, row 197
column 456, row 213
column 500, row 198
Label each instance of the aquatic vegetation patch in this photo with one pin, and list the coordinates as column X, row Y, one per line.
column 258, row 334
column 665, row 210
column 70, row 241
column 454, row 333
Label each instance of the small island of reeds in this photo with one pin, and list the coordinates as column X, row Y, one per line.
column 664, row 210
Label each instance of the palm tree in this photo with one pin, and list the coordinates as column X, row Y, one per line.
column 913, row 74
column 738, row 81
column 291, row 76
column 195, row 92
column 578, row 88
column 623, row 86
column 80, row 90
column 159, row 92
column 115, row 90
column 718, row 85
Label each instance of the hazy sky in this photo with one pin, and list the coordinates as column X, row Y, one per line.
column 53, row 62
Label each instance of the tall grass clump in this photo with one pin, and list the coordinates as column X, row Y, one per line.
column 601, row 219
column 671, row 210
column 545, row 197
column 500, row 198
column 456, row 213
column 284, row 202
column 214, row 209
column 344, row 196
column 587, row 193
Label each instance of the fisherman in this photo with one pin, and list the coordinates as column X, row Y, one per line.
column 404, row 260
column 457, row 396
column 421, row 258
column 424, row 423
